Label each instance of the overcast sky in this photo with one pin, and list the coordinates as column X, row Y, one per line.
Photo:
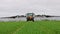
column 21, row 7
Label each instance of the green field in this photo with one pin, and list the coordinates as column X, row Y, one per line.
column 23, row 27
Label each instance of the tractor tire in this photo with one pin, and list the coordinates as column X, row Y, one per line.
column 27, row 20
column 33, row 19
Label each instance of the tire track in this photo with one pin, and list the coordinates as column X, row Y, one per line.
column 18, row 29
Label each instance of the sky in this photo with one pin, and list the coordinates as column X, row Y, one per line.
column 21, row 7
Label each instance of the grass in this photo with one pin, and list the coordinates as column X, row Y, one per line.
column 37, row 27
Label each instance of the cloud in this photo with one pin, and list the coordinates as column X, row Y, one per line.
column 18, row 7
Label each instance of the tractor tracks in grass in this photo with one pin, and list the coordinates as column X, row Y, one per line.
column 18, row 29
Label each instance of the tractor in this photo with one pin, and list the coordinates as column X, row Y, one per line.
column 30, row 16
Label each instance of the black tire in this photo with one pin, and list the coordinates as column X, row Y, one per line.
column 33, row 20
column 27, row 20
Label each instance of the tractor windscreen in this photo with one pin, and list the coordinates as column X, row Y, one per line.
column 29, row 14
